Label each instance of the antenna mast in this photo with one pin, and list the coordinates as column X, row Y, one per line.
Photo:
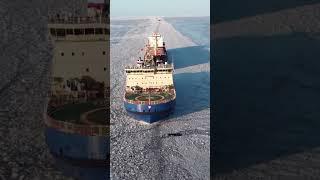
column 155, row 47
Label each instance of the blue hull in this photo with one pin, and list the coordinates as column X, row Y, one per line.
column 83, row 157
column 155, row 113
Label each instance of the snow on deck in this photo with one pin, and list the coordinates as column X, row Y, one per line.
column 177, row 148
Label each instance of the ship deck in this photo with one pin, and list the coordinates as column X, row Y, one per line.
column 152, row 97
column 150, row 68
column 81, row 113
column 78, row 20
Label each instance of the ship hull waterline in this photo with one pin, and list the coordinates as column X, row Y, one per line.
column 83, row 157
column 150, row 113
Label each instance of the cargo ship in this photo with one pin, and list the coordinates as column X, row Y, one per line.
column 150, row 92
column 77, row 121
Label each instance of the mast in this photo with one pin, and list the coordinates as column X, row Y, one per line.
column 155, row 47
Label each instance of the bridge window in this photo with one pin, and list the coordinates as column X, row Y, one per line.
column 69, row 31
column 106, row 31
column 98, row 31
column 78, row 31
column 89, row 31
column 61, row 32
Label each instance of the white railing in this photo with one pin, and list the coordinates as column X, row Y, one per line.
column 100, row 37
column 87, row 130
column 162, row 66
column 79, row 20
column 153, row 102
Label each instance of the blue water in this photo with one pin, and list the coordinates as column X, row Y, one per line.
column 196, row 28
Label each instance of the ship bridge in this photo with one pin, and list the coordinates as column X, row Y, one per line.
column 163, row 68
column 145, row 77
column 79, row 28
column 81, row 43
